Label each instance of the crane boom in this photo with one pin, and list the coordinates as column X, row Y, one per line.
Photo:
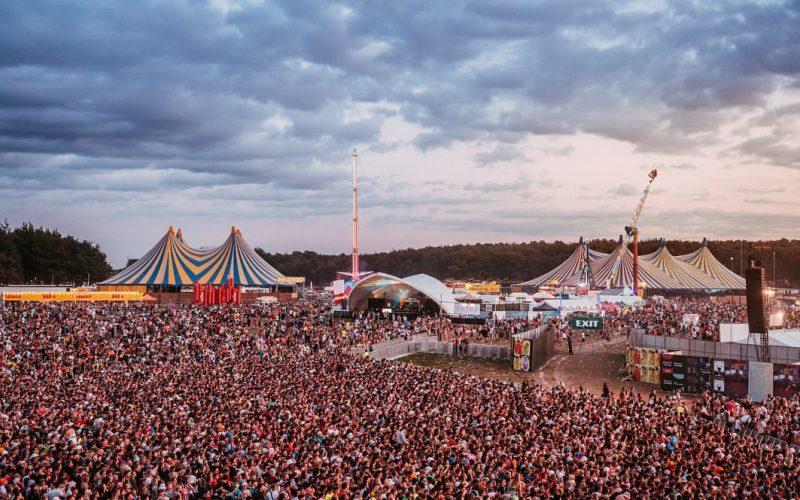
column 630, row 231
column 638, row 212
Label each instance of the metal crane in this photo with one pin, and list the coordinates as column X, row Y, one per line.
column 633, row 231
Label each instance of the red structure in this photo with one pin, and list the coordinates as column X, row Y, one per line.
column 206, row 294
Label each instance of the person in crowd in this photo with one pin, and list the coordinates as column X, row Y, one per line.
column 273, row 401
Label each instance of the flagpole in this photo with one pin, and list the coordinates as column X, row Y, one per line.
column 355, row 270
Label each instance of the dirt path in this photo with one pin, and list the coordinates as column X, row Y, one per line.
column 594, row 362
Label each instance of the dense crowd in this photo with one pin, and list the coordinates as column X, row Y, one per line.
column 693, row 318
column 367, row 328
column 777, row 417
column 108, row 401
column 791, row 318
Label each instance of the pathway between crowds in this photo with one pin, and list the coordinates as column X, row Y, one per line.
column 594, row 362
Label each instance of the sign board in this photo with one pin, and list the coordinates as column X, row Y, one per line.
column 71, row 296
column 673, row 372
column 733, row 332
column 736, row 383
column 486, row 288
column 786, row 379
column 586, row 323
column 522, row 355
column 759, row 381
column 691, row 319
column 290, row 280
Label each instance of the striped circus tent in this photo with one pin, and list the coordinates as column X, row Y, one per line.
column 688, row 276
column 164, row 264
column 172, row 262
column 237, row 260
column 649, row 273
column 705, row 262
column 570, row 267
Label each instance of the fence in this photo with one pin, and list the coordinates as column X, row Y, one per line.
column 710, row 349
column 542, row 345
column 758, row 437
column 399, row 347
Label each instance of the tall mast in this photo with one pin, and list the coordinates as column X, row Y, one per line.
column 355, row 215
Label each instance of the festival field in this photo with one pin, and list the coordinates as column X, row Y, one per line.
column 593, row 363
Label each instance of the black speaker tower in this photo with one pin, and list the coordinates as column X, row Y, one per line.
column 757, row 307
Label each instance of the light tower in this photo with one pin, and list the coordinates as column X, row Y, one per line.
column 355, row 270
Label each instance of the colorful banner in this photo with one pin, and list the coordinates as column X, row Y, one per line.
column 673, row 372
column 122, row 288
column 72, row 296
column 290, row 280
column 487, row 288
column 643, row 364
column 736, row 383
column 786, row 380
column 699, row 375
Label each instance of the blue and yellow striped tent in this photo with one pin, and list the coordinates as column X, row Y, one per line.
column 172, row 262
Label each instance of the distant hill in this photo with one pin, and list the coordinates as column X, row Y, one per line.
column 38, row 255
column 516, row 262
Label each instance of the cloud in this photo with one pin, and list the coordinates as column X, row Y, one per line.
column 770, row 150
column 499, row 155
column 255, row 105
column 624, row 189
column 674, row 166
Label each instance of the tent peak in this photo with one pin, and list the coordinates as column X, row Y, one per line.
column 705, row 243
column 620, row 239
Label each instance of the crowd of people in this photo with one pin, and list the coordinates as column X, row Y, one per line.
column 269, row 402
column 777, row 417
column 684, row 317
column 791, row 318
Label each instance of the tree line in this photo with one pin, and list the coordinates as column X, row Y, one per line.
column 43, row 256
column 517, row 262
column 38, row 255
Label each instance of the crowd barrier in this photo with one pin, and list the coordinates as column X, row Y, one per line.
column 710, row 349
column 694, row 366
column 397, row 348
column 532, row 349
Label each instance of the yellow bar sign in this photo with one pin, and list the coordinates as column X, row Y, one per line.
column 71, row 296
column 291, row 280
column 483, row 287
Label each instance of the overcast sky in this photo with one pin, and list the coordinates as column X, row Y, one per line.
column 477, row 121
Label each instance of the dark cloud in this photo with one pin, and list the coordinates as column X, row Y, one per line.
column 769, row 149
column 267, row 98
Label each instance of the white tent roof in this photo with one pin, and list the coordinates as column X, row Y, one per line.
column 781, row 338
column 422, row 283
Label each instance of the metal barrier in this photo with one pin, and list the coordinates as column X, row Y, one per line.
column 749, row 432
column 542, row 345
column 396, row 348
column 710, row 349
